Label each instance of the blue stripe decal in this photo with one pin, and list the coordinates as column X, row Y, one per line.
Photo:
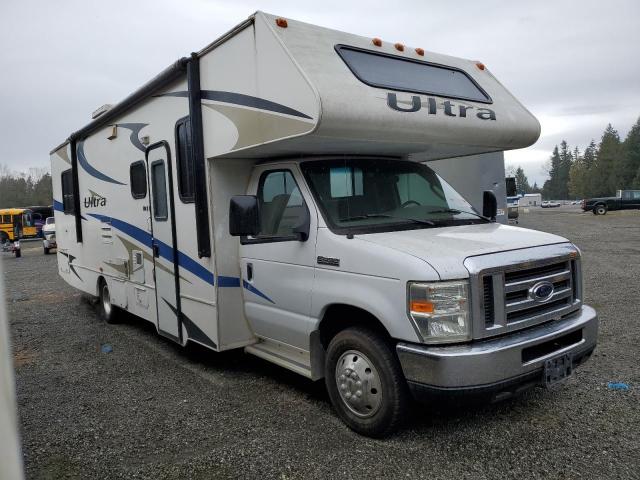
column 228, row 281
column 57, row 206
column 184, row 260
column 82, row 160
column 253, row 289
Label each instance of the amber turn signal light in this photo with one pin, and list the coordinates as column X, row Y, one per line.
column 421, row 306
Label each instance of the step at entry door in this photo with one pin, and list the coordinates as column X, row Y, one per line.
column 163, row 240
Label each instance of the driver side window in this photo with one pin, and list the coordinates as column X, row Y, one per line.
column 282, row 207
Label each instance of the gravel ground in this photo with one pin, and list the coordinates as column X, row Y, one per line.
column 150, row 409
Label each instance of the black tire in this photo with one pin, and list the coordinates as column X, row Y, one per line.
column 381, row 408
column 3, row 237
column 46, row 250
column 600, row 210
column 107, row 311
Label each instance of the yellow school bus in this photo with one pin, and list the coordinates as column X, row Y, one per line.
column 16, row 223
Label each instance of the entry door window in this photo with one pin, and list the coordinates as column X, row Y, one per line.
column 281, row 205
column 158, row 176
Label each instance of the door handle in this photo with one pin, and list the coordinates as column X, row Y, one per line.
column 156, row 250
column 249, row 272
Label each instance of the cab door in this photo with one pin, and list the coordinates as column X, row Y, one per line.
column 277, row 264
column 163, row 241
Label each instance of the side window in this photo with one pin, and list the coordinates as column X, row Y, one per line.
column 346, row 182
column 184, row 159
column 67, row 192
column 282, row 207
column 138, row 179
column 159, row 191
column 636, row 195
column 6, row 218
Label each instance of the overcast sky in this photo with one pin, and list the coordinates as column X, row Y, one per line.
column 574, row 64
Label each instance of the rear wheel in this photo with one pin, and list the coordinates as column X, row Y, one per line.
column 600, row 210
column 46, row 250
column 108, row 312
column 365, row 382
column 4, row 236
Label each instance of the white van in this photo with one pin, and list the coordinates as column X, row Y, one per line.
column 333, row 204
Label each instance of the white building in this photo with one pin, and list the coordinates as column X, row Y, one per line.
column 531, row 200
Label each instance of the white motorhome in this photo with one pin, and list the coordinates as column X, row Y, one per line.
column 277, row 192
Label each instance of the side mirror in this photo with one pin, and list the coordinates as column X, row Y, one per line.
column 512, row 190
column 244, row 215
column 489, row 205
column 302, row 229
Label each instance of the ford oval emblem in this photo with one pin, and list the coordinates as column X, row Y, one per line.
column 542, row 291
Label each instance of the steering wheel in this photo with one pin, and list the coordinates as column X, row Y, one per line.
column 409, row 202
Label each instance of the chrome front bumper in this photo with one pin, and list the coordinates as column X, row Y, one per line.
column 490, row 364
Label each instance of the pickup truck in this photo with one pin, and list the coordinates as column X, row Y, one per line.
column 624, row 200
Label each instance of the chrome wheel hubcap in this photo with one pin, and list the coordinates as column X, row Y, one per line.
column 358, row 383
column 106, row 300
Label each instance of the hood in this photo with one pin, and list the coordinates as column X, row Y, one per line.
column 445, row 249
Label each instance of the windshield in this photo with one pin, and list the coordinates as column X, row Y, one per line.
column 374, row 195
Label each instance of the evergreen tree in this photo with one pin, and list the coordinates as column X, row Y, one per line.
column 588, row 161
column 566, row 159
column 552, row 188
column 605, row 178
column 630, row 167
column 522, row 182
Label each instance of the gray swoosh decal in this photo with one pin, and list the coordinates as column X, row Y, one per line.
column 243, row 100
column 94, row 172
column 135, row 132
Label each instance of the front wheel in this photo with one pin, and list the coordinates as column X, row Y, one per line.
column 600, row 210
column 365, row 382
column 107, row 311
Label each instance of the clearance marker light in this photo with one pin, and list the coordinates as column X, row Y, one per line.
column 399, row 47
column 377, row 42
column 480, row 65
column 420, row 51
column 282, row 22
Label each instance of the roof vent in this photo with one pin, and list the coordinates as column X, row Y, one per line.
column 103, row 109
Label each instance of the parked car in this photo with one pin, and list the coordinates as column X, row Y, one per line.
column 550, row 204
column 49, row 235
column 625, row 200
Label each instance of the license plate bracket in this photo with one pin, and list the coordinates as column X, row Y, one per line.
column 557, row 369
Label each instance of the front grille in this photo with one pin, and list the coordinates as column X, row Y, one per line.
column 487, row 300
column 521, row 305
column 504, row 291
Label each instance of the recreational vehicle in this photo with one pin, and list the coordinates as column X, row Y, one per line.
column 333, row 204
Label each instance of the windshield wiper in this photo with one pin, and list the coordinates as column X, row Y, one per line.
column 455, row 211
column 383, row 215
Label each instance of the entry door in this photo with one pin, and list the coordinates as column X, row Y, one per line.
column 277, row 267
column 163, row 242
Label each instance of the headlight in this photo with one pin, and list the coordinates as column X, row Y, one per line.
column 440, row 310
